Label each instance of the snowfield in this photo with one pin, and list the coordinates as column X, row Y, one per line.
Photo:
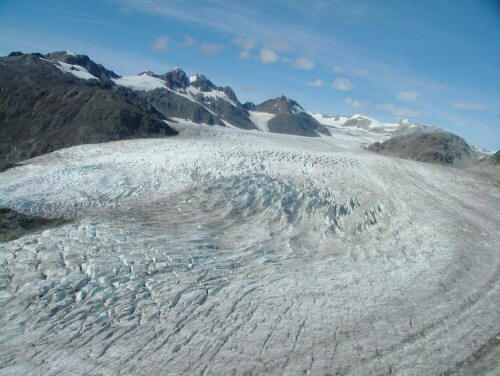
column 224, row 251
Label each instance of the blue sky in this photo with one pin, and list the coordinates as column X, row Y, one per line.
column 435, row 62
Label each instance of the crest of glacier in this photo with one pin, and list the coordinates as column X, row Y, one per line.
column 223, row 251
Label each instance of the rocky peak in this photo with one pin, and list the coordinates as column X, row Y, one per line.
column 201, row 82
column 175, row 79
column 148, row 73
column 280, row 105
column 230, row 94
column 82, row 60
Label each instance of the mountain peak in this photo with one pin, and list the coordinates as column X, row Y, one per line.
column 175, row 78
column 148, row 73
column 201, row 82
column 83, row 61
column 280, row 105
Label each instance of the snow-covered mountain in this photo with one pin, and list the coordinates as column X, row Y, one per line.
column 362, row 122
column 177, row 97
column 217, row 105
column 237, row 248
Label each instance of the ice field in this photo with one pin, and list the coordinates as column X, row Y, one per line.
column 222, row 251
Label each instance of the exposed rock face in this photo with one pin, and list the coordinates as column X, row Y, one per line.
column 13, row 225
column 43, row 109
column 489, row 166
column 201, row 82
column 198, row 100
column 280, row 105
column 290, row 118
column 82, row 60
column 173, row 105
column 175, row 79
column 494, row 160
column 434, row 147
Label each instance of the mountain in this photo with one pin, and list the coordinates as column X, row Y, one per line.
column 42, row 108
column 195, row 98
column 198, row 99
column 489, row 165
column 62, row 99
column 224, row 251
column 284, row 115
column 96, row 70
column 436, row 147
column 365, row 123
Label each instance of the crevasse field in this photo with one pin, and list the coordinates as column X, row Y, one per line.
column 223, row 251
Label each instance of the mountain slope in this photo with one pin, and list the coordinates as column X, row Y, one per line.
column 289, row 118
column 362, row 122
column 195, row 98
column 42, row 109
column 435, row 147
column 489, row 165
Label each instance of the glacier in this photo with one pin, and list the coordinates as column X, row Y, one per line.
column 222, row 251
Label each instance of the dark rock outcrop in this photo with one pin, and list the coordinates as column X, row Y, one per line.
column 43, row 109
column 13, row 225
column 280, row 105
column 290, row 118
column 173, row 105
column 175, row 79
column 203, row 108
column 202, row 83
column 433, row 147
column 82, row 60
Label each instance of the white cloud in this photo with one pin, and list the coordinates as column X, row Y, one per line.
column 279, row 45
column 360, row 72
column 398, row 111
column 407, row 96
column 210, row 48
column 245, row 43
column 268, row 56
column 303, row 63
column 160, row 44
column 188, row 41
column 244, row 54
column 315, row 83
column 470, row 106
column 337, row 69
column 342, row 84
column 355, row 103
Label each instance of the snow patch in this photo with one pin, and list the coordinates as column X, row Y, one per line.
column 260, row 119
column 75, row 70
column 212, row 94
column 140, row 82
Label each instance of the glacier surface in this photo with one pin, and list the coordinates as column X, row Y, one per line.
column 224, row 251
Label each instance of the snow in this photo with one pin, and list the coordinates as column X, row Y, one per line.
column 332, row 121
column 75, row 70
column 374, row 126
column 222, row 251
column 193, row 78
column 146, row 82
column 140, row 82
column 212, row 94
column 260, row 119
